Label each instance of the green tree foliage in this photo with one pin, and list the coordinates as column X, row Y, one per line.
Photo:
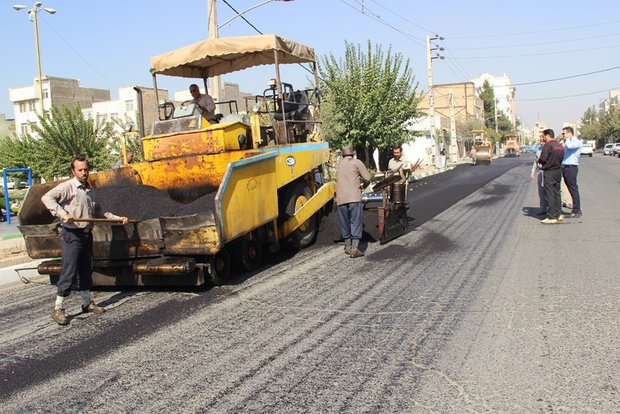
column 604, row 127
column 591, row 128
column 369, row 95
column 63, row 133
column 610, row 126
column 504, row 125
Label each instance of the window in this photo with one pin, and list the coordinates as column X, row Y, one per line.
column 31, row 106
column 23, row 107
column 128, row 106
column 24, row 128
column 46, row 93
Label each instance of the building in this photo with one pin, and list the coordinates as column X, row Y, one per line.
column 504, row 93
column 7, row 126
column 612, row 102
column 467, row 104
column 124, row 111
column 56, row 92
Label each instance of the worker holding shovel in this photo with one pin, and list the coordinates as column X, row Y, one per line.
column 71, row 203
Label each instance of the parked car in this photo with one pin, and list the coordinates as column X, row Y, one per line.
column 608, row 149
column 616, row 149
column 587, row 149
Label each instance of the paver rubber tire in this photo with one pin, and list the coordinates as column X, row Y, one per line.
column 247, row 254
column 219, row 269
column 297, row 195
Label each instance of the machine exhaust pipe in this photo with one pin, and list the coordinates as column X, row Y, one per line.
column 50, row 267
column 158, row 267
column 370, row 197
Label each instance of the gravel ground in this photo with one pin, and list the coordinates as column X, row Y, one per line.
column 479, row 309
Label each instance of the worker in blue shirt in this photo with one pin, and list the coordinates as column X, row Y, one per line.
column 570, row 168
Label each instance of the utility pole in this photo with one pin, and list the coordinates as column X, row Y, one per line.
column 213, row 34
column 453, row 149
column 431, row 97
column 495, row 109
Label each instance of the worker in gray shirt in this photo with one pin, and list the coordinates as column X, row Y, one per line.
column 70, row 201
column 351, row 175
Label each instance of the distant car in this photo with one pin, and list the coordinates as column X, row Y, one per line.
column 10, row 185
column 608, row 149
column 587, row 149
column 616, row 149
column 23, row 184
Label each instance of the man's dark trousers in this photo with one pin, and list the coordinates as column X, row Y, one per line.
column 570, row 178
column 552, row 180
column 351, row 220
column 77, row 263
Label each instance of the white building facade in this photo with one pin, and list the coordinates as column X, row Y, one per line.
column 504, row 93
column 56, row 92
column 124, row 111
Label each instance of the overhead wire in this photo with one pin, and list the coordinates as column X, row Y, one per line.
column 539, row 43
column 566, row 96
column 562, row 52
column 567, row 77
column 77, row 53
column 378, row 18
column 563, row 29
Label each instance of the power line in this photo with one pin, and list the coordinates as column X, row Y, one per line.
column 566, row 96
column 78, row 54
column 378, row 18
column 399, row 15
column 539, row 43
column 570, row 28
column 539, row 54
column 243, row 17
column 567, row 77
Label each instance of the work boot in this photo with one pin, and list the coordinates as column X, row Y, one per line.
column 576, row 214
column 560, row 218
column 92, row 308
column 58, row 315
column 356, row 253
column 347, row 250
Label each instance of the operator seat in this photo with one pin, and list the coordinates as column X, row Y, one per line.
column 295, row 103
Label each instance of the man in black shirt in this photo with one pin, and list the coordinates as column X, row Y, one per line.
column 551, row 164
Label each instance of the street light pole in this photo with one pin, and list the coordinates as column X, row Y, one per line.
column 34, row 17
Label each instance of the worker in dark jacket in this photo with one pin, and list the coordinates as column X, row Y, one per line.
column 351, row 174
column 550, row 161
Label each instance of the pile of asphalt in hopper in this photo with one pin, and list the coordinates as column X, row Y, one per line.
column 143, row 202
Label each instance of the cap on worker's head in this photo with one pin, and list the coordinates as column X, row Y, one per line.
column 347, row 151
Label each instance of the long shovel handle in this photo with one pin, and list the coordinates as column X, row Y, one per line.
column 102, row 220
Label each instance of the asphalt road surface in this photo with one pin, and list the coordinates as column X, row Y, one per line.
column 478, row 308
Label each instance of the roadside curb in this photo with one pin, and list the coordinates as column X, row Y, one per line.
column 12, row 261
column 10, row 236
column 419, row 176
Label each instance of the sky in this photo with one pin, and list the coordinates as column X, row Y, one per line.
column 562, row 57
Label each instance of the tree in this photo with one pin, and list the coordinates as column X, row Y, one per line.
column 504, row 125
column 368, row 97
column 591, row 127
column 63, row 133
column 610, row 125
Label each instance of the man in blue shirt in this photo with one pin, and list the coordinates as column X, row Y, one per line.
column 570, row 168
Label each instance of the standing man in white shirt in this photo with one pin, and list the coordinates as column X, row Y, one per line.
column 570, row 168
column 70, row 201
